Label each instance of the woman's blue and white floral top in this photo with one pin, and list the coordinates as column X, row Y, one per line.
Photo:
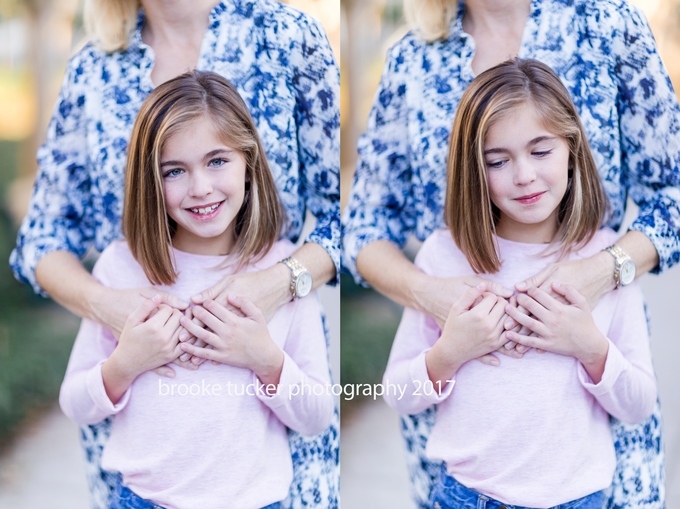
column 280, row 61
column 605, row 54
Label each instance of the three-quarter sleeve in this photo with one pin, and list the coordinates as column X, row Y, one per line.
column 380, row 203
column 649, row 120
column 60, row 214
column 316, row 79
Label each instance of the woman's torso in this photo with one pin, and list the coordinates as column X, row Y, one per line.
column 428, row 80
column 251, row 43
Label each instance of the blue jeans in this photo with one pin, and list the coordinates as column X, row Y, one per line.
column 450, row 494
column 125, row 498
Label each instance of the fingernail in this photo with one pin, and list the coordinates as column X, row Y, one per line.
column 169, row 373
column 184, row 357
column 196, row 298
column 521, row 349
column 508, row 309
column 193, row 366
column 495, row 362
column 556, row 284
column 195, row 360
column 506, row 325
column 480, row 286
column 521, row 286
column 156, row 298
column 509, row 335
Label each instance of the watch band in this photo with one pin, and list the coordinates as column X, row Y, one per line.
column 297, row 270
column 622, row 259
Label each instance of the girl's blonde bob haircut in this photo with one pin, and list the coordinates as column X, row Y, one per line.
column 110, row 22
column 171, row 107
column 469, row 212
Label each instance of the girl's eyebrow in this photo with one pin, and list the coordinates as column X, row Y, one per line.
column 210, row 154
column 535, row 141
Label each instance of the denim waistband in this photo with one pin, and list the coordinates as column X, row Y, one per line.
column 448, row 493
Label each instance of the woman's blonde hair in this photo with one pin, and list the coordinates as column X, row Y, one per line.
column 110, row 22
column 469, row 212
column 171, row 107
column 430, row 19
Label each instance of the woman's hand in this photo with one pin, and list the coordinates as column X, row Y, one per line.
column 566, row 329
column 474, row 327
column 150, row 338
column 240, row 340
column 111, row 307
column 267, row 289
column 591, row 277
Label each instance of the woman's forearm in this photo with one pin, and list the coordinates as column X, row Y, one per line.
column 388, row 271
column 641, row 249
column 65, row 279
column 317, row 261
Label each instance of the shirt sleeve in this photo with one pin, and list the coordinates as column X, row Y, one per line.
column 406, row 384
column 379, row 206
column 60, row 215
column 628, row 386
column 304, row 399
column 649, row 120
column 316, row 78
column 83, row 397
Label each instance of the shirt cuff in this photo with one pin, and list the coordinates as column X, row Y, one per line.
column 96, row 390
column 613, row 367
column 291, row 385
column 422, row 383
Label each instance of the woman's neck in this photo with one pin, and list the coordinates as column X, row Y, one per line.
column 175, row 22
column 174, row 29
column 496, row 27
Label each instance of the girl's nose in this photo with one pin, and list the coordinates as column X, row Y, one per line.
column 524, row 173
column 200, row 185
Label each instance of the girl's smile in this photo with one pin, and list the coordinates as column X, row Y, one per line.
column 527, row 171
column 204, row 186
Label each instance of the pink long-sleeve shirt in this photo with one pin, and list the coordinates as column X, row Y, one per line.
column 206, row 438
column 534, row 431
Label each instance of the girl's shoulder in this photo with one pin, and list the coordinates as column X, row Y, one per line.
column 281, row 249
column 440, row 256
column 117, row 268
column 603, row 238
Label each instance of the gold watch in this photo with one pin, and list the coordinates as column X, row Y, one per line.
column 300, row 278
column 624, row 270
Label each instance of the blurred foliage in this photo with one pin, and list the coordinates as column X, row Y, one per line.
column 368, row 325
column 36, row 336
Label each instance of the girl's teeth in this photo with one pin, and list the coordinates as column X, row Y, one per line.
column 205, row 211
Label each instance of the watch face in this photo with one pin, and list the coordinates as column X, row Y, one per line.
column 304, row 284
column 627, row 272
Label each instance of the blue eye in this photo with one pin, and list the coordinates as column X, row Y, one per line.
column 174, row 172
column 216, row 163
column 542, row 153
column 495, row 164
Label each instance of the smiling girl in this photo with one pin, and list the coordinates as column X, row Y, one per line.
column 523, row 192
column 200, row 203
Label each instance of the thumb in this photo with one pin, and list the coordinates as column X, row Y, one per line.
column 173, row 301
column 211, row 293
column 246, row 306
column 536, row 280
column 141, row 314
column 468, row 299
column 571, row 294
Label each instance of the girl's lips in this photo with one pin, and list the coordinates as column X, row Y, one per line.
column 530, row 198
column 206, row 215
